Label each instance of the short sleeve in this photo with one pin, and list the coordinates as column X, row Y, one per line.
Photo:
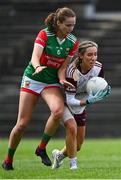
column 41, row 38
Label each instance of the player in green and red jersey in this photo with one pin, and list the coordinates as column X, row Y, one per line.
column 53, row 49
column 55, row 52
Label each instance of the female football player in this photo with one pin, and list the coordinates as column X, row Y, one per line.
column 79, row 72
column 53, row 49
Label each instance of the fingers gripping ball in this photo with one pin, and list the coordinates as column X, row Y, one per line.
column 96, row 84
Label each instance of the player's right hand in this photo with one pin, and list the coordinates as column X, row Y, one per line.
column 39, row 69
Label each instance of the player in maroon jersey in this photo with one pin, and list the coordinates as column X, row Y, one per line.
column 53, row 49
column 78, row 73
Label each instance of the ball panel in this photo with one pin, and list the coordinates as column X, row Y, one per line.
column 96, row 84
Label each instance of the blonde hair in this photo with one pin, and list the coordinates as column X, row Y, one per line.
column 86, row 44
column 82, row 49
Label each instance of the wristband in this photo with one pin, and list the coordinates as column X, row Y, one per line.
column 37, row 67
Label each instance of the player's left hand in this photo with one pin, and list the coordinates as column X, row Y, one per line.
column 98, row 96
column 66, row 83
column 95, row 98
column 39, row 69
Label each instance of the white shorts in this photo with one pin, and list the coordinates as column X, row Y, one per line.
column 67, row 114
column 79, row 118
column 35, row 87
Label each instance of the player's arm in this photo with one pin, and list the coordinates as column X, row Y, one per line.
column 35, row 60
column 62, row 73
column 39, row 45
column 36, row 54
column 63, row 68
column 72, row 101
column 91, row 99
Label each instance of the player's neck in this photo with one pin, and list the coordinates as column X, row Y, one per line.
column 61, row 36
column 84, row 69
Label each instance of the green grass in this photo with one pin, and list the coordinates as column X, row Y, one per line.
column 98, row 159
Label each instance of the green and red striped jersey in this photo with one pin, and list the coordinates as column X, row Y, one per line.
column 54, row 54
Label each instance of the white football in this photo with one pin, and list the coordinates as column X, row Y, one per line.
column 96, row 84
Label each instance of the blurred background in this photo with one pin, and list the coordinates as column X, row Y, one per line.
column 20, row 22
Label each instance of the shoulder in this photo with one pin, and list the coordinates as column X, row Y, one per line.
column 98, row 69
column 42, row 34
column 98, row 64
column 70, row 70
column 72, row 38
column 41, row 38
column 48, row 32
column 45, row 32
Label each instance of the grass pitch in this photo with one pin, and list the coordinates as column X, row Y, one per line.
column 98, row 159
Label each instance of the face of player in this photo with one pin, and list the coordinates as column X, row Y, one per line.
column 66, row 26
column 89, row 57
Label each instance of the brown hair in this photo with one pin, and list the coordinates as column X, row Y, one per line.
column 60, row 15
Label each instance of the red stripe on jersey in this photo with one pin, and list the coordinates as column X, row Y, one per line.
column 73, row 51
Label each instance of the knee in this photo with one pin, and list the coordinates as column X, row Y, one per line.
column 73, row 130
column 20, row 127
column 57, row 113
